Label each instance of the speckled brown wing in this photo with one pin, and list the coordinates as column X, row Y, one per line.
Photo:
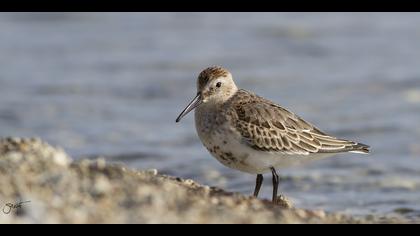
column 266, row 126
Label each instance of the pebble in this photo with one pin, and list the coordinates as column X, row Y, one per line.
column 101, row 163
column 319, row 213
column 189, row 182
column 152, row 171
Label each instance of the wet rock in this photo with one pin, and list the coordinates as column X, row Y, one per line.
column 93, row 191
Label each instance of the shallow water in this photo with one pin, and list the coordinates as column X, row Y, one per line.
column 112, row 84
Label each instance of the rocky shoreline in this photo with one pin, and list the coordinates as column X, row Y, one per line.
column 42, row 184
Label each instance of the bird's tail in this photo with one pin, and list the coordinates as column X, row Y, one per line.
column 360, row 148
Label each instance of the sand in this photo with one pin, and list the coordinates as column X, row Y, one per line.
column 42, row 184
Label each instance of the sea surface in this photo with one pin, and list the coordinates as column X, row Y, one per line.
column 112, row 84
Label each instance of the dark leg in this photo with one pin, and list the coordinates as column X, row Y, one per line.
column 276, row 181
column 260, row 179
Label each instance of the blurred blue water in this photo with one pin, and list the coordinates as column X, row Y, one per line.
column 113, row 83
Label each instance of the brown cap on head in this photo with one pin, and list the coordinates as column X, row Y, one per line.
column 210, row 73
column 214, row 86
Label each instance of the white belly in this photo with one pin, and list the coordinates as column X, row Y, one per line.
column 226, row 146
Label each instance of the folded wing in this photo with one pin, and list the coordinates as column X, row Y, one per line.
column 266, row 126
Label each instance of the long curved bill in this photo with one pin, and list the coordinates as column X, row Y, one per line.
column 193, row 104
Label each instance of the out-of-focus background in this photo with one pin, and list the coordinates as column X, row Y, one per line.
column 112, row 84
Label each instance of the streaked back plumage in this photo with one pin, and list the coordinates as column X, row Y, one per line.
column 266, row 126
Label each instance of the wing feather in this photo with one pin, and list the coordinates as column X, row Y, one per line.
column 266, row 126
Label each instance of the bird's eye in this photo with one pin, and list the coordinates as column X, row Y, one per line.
column 219, row 84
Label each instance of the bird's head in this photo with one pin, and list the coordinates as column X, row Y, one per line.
column 215, row 85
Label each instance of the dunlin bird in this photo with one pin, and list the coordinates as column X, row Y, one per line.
column 252, row 134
